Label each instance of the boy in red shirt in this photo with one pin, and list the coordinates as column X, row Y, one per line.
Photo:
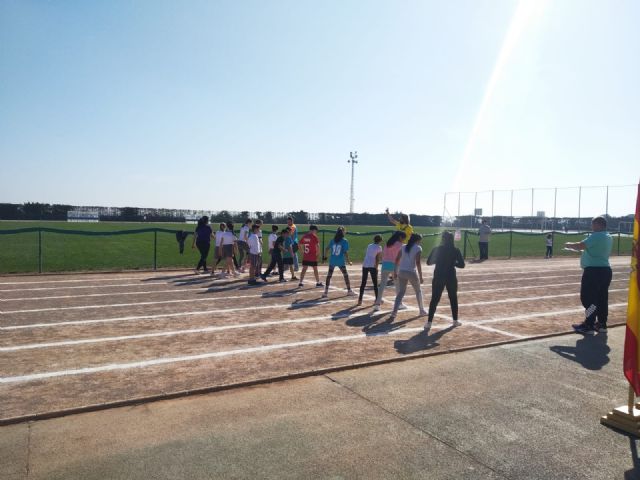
column 309, row 245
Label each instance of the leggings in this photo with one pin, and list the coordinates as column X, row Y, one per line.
column 549, row 251
column 275, row 259
column 403, row 279
column 343, row 269
column 437, row 287
column 384, row 274
column 203, row 247
column 243, row 253
column 374, row 279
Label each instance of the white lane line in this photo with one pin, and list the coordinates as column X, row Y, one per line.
column 134, row 318
column 523, row 299
column 179, row 291
column 163, row 334
column 256, row 307
column 78, row 280
column 210, row 329
column 528, row 316
column 188, row 358
column 495, row 330
column 473, row 270
column 528, row 287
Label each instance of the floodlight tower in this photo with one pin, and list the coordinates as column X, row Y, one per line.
column 353, row 162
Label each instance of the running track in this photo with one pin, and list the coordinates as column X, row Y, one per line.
column 73, row 342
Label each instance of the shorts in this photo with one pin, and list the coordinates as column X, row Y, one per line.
column 389, row 266
column 255, row 260
column 309, row 263
column 287, row 261
column 227, row 251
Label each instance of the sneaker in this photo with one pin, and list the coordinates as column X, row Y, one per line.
column 456, row 323
column 263, row 277
column 196, row 271
column 423, row 313
column 351, row 293
column 206, row 270
column 376, row 308
column 382, row 300
column 283, row 280
column 319, row 284
column 392, row 317
column 402, row 307
column 359, row 303
column 427, row 326
column 301, row 285
column 601, row 327
column 584, row 329
column 324, row 295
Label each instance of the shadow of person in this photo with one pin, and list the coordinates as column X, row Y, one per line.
column 385, row 327
column 634, row 473
column 592, row 352
column 421, row 341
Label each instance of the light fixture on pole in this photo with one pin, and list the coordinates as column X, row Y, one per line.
column 352, row 161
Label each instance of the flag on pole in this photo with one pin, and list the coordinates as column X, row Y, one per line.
column 631, row 362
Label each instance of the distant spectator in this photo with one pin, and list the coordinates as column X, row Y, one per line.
column 483, row 241
column 549, row 241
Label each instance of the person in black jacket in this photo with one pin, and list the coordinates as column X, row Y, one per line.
column 446, row 258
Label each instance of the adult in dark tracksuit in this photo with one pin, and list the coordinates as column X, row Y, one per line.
column 202, row 239
column 483, row 239
column 596, row 277
column 446, row 258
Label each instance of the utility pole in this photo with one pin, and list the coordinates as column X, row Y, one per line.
column 352, row 161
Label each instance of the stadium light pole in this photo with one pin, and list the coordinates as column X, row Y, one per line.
column 352, row 160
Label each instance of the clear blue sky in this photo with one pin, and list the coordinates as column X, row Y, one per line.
column 255, row 105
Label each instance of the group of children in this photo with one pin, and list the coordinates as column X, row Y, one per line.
column 399, row 259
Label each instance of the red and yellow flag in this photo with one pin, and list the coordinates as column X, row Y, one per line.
column 631, row 363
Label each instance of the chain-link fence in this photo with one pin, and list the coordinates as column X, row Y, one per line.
column 565, row 209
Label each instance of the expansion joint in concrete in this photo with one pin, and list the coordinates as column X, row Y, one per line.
column 418, row 429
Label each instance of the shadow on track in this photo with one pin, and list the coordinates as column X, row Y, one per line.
column 420, row 341
column 592, row 352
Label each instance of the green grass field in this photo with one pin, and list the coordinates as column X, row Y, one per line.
column 70, row 252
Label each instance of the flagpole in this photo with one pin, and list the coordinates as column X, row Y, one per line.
column 627, row 417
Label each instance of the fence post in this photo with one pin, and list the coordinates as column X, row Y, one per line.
column 155, row 250
column 464, row 248
column 618, row 242
column 40, row 250
column 510, row 242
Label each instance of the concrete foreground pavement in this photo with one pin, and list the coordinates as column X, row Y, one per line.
column 522, row 411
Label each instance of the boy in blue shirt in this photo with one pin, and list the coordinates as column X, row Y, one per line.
column 596, row 277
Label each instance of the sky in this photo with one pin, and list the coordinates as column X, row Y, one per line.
column 256, row 105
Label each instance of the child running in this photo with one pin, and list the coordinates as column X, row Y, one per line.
column 408, row 262
column 276, row 255
column 338, row 248
column 255, row 254
column 310, row 246
column 389, row 264
column 446, row 258
column 370, row 264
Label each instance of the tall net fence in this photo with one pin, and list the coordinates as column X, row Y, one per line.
column 566, row 209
